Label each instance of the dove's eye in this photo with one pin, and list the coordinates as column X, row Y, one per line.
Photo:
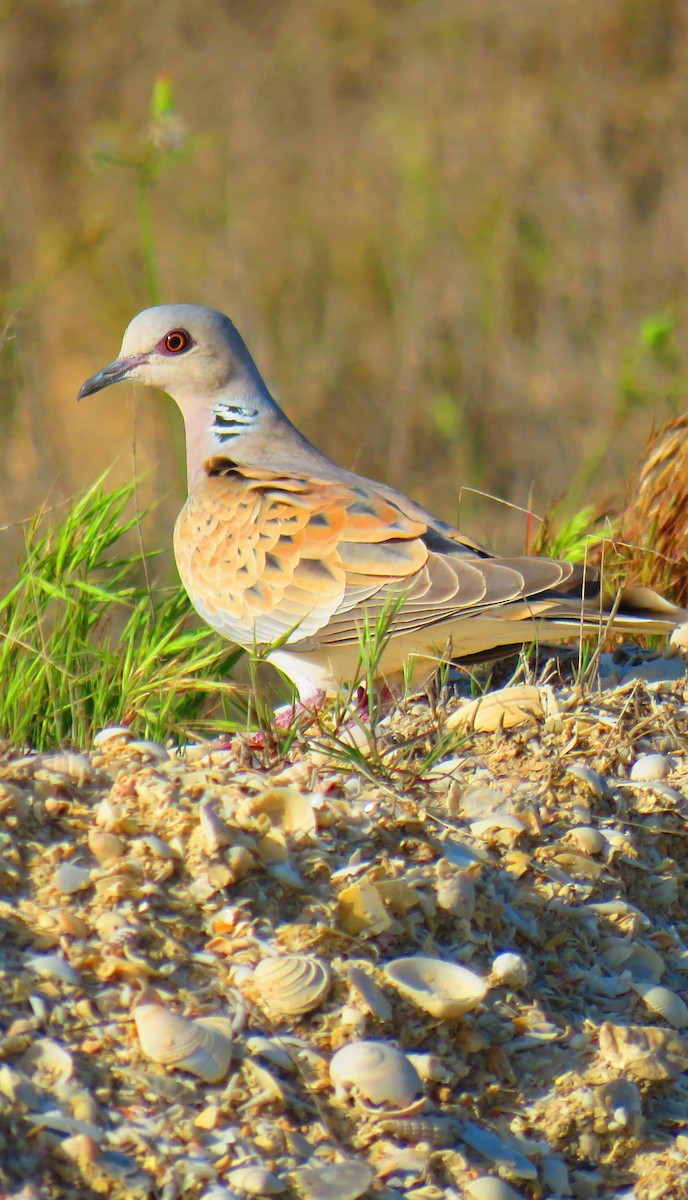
column 176, row 341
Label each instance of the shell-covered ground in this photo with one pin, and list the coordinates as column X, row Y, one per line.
column 197, row 998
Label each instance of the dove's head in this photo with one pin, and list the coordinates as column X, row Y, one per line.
column 197, row 356
column 184, row 349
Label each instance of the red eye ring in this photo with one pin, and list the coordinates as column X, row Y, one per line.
column 176, row 341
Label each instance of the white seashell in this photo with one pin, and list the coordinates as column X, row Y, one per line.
column 291, row 984
column 443, row 989
column 664, row 1002
column 51, row 966
column 649, row 767
column 372, row 996
column 255, row 1181
column 70, row 878
column 587, row 839
column 597, row 783
column 239, row 862
column 488, row 1187
column 344, row 1180
column 643, row 963
column 510, row 970
column 50, row 1060
column 497, row 821
column 501, row 1152
column 621, row 1100
column 214, row 831
column 264, row 1047
column 202, row 1046
column 287, row 809
column 455, row 891
column 377, row 1073
column 148, row 749
column 105, row 847
column 504, row 709
column 554, row 1176
column 113, row 733
column 76, row 767
column 645, row 1052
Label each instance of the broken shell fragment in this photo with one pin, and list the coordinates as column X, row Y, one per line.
column 202, row 1046
column 504, row 709
column 287, row 810
column 377, row 1073
column 292, row 984
column 442, row 988
column 644, row 1051
column 70, row 878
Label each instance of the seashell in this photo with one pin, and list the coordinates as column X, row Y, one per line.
column 436, row 1129
column 650, row 767
column 369, row 993
column 488, row 1187
column 480, row 802
column 497, row 821
column 430, row 1068
column 642, row 962
column 554, row 1176
column 105, row 847
column 70, row 878
column 664, row 1002
column 148, row 749
column 239, row 861
column 51, row 966
column 291, row 984
column 360, row 908
column 287, row 809
column 377, row 1073
column 442, row 988
column 113, row 733
column 76, row 767
column 595, row 781
column 510, row 970
column 646, row 1052
column 255, row 1181
column 455, row 891
column 344, row 1180
column 504, row 709
column 621, row 1100
column 586, row 838
column 265, row 1047
column 215, row 833
column 50, row 1061
column 202, row 1046
column 501, row 1152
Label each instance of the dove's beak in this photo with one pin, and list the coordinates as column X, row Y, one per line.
column 118, row 370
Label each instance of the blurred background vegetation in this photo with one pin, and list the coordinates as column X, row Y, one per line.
column 453, row 232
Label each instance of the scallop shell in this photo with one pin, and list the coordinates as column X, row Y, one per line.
column 665, row 1003
column 291, row 984
column 345, row 1180
column 443, row 989
column 202, row 1046
column 377, row 1073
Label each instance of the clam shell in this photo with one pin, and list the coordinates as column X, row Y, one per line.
column 650, row 767
column 443, row 989
column 376, row 1072
column 202, row 1046
column 70, row 878
column 291, row 984
column 345, row 1180
column 255, row 1181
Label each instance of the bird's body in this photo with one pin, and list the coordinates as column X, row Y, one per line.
column 277, row 544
